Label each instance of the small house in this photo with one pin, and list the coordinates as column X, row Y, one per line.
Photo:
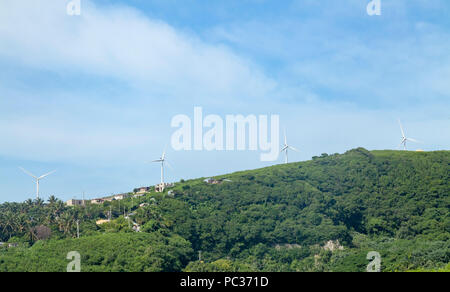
column 74, row 202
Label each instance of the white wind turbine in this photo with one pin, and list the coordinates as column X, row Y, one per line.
column 404, row 138
column 286, row 147
column 162, row 160
column 37, row 179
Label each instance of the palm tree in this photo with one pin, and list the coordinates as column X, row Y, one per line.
column 39, row 202
column 52, row 200
column 29, row 203
column 66, row 222
column 9, row 223
column 30, row 222
column 21, row 223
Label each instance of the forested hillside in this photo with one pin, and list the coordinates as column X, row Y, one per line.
column 321, row 215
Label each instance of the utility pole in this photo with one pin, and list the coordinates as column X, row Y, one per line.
column 78, row 228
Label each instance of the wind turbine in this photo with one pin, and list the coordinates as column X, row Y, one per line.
column 286, row 147
column 37, row 179
column 162, row 159
column 404, row 138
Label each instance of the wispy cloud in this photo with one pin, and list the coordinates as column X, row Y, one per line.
column 121, row 42
column 341, row 54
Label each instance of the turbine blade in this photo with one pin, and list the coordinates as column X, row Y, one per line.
column 413, row 140
column 47, row 174
column 401, row 128
column 27, row 172
column 163, row 156
column 293, row 148
column 169, row 165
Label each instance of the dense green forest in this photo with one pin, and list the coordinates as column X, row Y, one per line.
column 325, row 214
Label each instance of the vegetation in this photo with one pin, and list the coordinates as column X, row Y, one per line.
column 272, row 219
column 121, row 252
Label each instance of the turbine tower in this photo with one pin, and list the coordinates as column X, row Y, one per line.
column 37, row 179
column 404, row 138
column 286, row 147
column 162, row 160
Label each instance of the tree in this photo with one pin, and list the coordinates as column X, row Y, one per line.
column 42, row 232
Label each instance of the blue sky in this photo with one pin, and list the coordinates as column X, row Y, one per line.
column 93, row 95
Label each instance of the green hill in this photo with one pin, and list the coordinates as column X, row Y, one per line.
column 272, row 219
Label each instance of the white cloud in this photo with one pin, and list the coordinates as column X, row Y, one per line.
column 122, row 43
column 117, row 42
